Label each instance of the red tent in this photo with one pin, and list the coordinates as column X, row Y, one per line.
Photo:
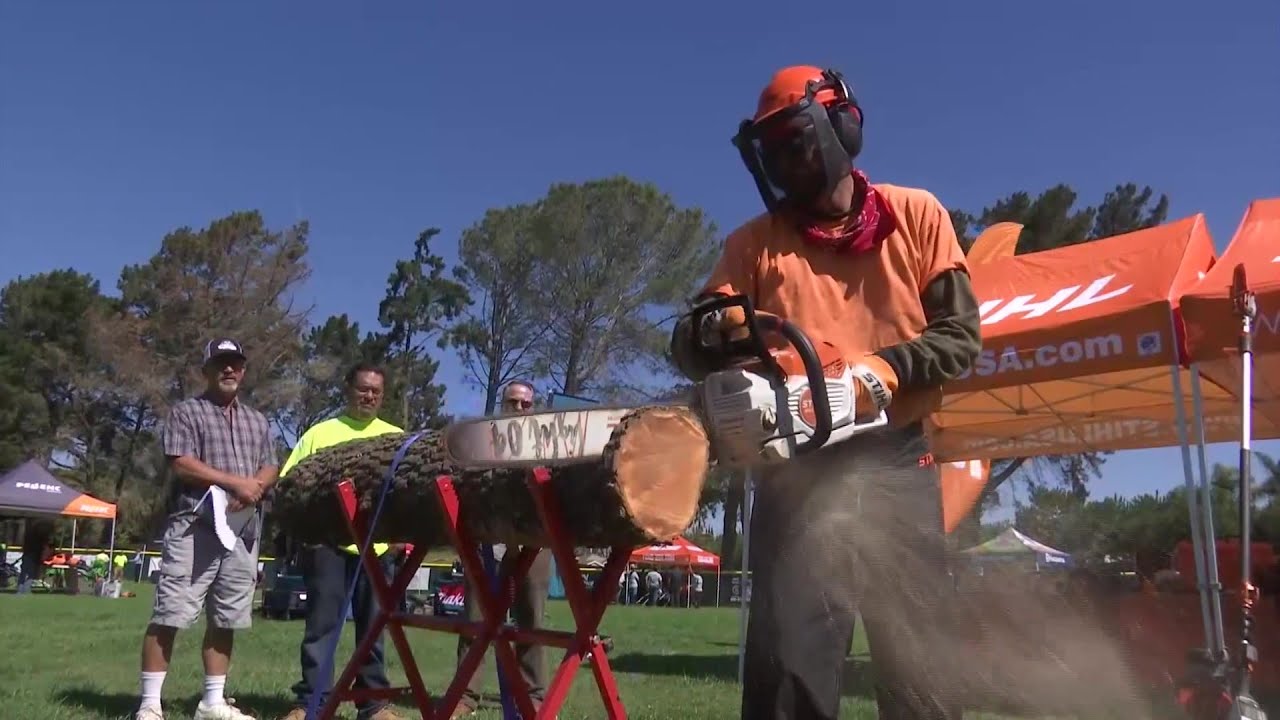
column 680, row 552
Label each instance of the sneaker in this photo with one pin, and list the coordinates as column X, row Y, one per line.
column 386, row 713
column 225, row 711
column 149, row 712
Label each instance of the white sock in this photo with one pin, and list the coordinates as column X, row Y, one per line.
column 213, row 685
column 152, row 682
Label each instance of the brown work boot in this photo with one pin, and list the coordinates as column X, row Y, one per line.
column 298, row 713
column 387, row 713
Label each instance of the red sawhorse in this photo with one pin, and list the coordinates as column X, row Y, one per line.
column 587, row 606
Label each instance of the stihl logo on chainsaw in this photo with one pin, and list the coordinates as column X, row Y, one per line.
column 1068, row 298
column 807, row 414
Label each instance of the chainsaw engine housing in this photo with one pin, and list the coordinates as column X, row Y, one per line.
column 753, row 420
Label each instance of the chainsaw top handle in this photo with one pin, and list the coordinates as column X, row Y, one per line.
column 756, row 323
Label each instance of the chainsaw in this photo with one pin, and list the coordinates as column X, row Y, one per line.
column 759, row 405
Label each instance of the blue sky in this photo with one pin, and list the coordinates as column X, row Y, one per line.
column 121, row 121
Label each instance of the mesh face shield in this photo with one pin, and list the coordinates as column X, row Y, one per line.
column 794, row 155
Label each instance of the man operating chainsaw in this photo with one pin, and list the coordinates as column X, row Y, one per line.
column 875, row 272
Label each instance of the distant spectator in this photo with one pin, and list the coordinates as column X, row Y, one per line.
column 633, row 584
column 653, row 585
column 36, row 546
column 530, row 599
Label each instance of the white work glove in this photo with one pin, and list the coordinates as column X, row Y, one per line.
column 875, row 386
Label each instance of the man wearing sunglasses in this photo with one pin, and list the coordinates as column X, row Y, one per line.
column 855, row 528
column 517, row 397
column 530, row 601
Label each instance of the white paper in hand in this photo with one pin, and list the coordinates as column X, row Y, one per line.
column 227, row 525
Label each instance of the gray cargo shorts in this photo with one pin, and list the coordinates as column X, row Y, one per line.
column 196, row 571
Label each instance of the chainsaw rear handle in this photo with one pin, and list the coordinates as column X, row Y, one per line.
column 753, row 345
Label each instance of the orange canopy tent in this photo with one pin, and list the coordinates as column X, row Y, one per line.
column 1212, row 326
column 1081, row 351
column 1212, row 333
column 962, row 483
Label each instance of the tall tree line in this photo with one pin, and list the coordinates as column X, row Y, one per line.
column 569, row 291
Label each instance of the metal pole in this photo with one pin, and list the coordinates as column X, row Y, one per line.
column 1217, row 641
column 743, row 610
column 1193, row 506
column 1245, row 305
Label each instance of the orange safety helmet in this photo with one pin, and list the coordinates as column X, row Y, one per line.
column 805, row 133
column 787, row 87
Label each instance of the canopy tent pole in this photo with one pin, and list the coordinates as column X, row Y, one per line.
column 1218, row 642
column 73, row 536
column 112, row 552
column 743, row 610
column 1193, row 504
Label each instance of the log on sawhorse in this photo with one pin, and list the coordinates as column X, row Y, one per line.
column 588, row 608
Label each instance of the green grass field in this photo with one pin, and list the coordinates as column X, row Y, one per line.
column 66, row 657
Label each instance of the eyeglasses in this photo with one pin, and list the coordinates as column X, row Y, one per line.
column 516, row 403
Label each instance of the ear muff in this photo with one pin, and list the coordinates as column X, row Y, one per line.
column 845, row 114
column 846, row 121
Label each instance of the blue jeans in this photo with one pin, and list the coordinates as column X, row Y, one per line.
column 325, row 572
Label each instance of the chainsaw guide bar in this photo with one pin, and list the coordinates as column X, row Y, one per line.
column 528, row 440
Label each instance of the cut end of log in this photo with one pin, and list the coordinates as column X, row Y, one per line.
column 660, row 463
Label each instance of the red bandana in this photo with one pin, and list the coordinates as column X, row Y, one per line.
column 874, row 223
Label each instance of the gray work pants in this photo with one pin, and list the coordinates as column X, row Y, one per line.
column 855, row 528
column 528, row 608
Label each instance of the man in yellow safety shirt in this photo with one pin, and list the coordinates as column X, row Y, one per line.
column 326, row 570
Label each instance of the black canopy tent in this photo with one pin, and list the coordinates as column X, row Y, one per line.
column 31, row 490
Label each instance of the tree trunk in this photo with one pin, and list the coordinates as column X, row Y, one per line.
column 492, row 386
column 126, row 463
column 644, row 488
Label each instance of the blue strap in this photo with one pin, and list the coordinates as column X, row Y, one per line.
column 491, row 569
column 313, row 703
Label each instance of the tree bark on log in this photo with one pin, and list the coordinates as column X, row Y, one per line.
column 643, row 489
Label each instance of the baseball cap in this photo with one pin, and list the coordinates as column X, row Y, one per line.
column 218, row 347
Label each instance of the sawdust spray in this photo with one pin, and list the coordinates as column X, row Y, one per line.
column 860, row 519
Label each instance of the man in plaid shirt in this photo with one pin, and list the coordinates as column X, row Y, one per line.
column 213, row 443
